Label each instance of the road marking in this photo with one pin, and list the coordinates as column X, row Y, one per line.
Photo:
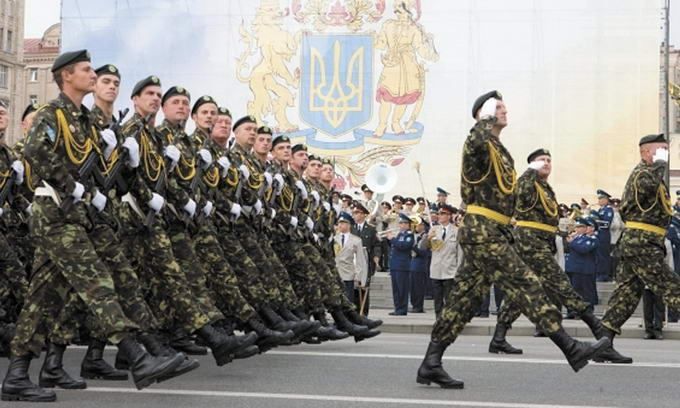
column 454, row 358
column 339, row 398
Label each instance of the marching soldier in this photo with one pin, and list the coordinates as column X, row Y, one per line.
column 489, row 255
column 60, row 141
column 646, row 210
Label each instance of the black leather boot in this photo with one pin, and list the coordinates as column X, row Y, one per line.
column 267, row 338
column 276, row 322
column 157, row 348
column 345, row 325
column 498, row 343
column 356, row 318
column 307, row 326
column 431, row 370
column 52, row 373
column 368, row 335
column 18, row 387
column 578, row 352
column 145, row 368
column 181, row 341
column 95, row 367
column 610, row 355
column 592, row 322
column 224, row 347
column 328, row 331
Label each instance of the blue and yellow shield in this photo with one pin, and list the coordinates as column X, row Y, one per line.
column 336, row 81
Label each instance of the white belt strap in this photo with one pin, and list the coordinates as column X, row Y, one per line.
column 47, row 191
column 128, row 198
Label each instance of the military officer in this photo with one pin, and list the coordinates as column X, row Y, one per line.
column 646, row 210
column 350, row 257
column 442, row 196
column 488, row 253
column 372, row 245
column 400, row 264
column 420, row 267
column 605, row 216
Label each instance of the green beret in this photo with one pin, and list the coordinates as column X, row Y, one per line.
column 245, row 119
column 202, row 101
column 264, row 130
column 280, row 139
column 660, row 138
column 223, row 111
column 313, row 157
column 174, row 91
column 480, row 101
column 30, row 108
column 327, row 162
column 108, row 69
column 299, row 148
column 148, row 81
column 536, row 153
column 69, row 58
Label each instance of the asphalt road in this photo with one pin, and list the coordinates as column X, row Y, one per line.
column 381, row 373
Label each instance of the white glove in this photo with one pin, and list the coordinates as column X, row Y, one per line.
column 326, row 206
column 273, row 214
column 133, row 152
column 279, row 181
column 661, row 154
column 268, row 177
column 1, row 211
column 156, row 203
column 225, row 164
column 172, row 153
column 489, row 108
column 309, row 223
column 207, row 209
column 316, row 196
column 244, row 171
column 258, row 206
column 235, row 210
column 99, row 200
column 29, row 209
column 190, row 208
column 206, row 158
column 537, row 164
column 293, row 221
column 111, row 142
column 18, row 168
column 303, row 190
column 78, row 192
column 316, row 237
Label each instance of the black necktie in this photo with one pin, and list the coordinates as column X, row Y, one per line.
column 342, row 240
column 444, row 234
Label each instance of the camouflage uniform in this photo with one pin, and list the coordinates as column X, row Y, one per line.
column 646, row 210
column 70, row 261
column 488, row 180
column 536, row 203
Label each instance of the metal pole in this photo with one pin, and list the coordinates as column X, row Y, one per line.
column 667, row 106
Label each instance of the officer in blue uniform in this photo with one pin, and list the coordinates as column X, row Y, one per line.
column 605, row 215
column 420, row 267
column 581, row 260
column 400, row 265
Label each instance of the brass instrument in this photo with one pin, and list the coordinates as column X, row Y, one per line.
column 436, row 243
column 415, row 220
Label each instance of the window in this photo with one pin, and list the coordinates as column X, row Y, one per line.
column 33, row 99
column 33, row 75
column 4, row 76
column 8, row 43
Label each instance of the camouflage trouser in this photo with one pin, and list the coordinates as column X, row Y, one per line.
column 12, row 270
column 280, row 276
column 168, row 291
column 303, row 276
column 498, row 263
column 221, row 278
column 537, row 254
column 183, row 248
column 251, row 244
column 336, row 285
column 642, row 263
column 72, row 264
column 246, row 271
column 334, row 295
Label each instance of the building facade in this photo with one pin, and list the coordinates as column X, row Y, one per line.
column 39, row 54
column 11, row 65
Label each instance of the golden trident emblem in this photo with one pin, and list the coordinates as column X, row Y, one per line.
column 335, row 102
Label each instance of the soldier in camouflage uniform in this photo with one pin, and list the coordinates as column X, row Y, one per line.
column 646, row 210
column 488, row 189
column 60, row 141
column 144, row 229
column 221, row 277
column 536, row 215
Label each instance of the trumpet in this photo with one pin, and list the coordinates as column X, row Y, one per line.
column 415, row 220
column 384, row 233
